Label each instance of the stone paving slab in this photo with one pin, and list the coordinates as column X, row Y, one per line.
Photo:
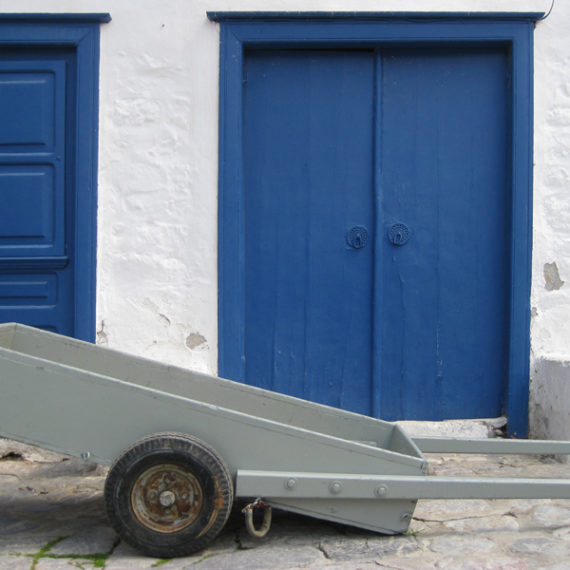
column 52, row 516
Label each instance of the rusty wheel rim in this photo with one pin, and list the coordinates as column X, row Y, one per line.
column 167, row 498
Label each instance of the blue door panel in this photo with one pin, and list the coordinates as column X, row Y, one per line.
column 32, row 157
column 28, row 192
column 31, row 95
column 376, row 226
column 39, row 290
column 37, row 299
column 308, row 292
column 444, row 175
column 36, row 221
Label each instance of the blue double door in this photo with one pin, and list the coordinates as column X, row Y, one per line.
column 37, row 191
column 376, row 228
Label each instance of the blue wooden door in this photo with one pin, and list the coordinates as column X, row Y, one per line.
column 308, row 182
column 376, row 228
column 37, row 196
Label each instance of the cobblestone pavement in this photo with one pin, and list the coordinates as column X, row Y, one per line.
column 52, row 516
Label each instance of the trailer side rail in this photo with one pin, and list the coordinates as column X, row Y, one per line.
column 491, row 446
column 281, row 484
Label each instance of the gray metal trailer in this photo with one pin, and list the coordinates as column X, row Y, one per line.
column 183, row 445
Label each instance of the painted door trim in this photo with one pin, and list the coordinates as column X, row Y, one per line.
column 234, row 16
column 240, row 33
column 81, row 33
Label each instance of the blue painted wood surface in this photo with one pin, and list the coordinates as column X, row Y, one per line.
column 309, row 120
column 434, row 308
column 514, row 34
column 444, row 171
column 360, row 16
column 48, row 171
column 33, row 165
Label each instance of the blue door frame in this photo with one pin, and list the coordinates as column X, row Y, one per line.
column 76, row 34
column 249, row 30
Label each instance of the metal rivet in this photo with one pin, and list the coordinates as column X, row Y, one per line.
column 381, row 491
column 290, row 483
column 335, row 487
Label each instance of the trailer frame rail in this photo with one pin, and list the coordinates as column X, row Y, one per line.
column 279, row 485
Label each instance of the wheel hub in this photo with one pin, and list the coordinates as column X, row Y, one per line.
column 166, row 498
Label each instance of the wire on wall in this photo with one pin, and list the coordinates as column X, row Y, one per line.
column 549, row 11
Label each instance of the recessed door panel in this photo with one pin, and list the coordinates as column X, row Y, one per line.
column 37, row 227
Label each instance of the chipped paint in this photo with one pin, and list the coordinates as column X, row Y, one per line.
column 102, row 338
column 195, row 340
column 552, row 281
column 165, row 319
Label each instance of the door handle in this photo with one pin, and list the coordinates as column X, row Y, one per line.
column 398, row 234
column 357, row 237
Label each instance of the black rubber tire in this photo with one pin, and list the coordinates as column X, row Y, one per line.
column 182, row 454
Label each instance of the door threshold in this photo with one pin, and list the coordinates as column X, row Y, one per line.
column 467, row 429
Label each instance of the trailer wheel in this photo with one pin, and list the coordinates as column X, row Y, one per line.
column 168, row 495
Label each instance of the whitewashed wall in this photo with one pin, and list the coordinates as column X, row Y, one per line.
column 550, row 302
column 157, row 219
column 551, row 255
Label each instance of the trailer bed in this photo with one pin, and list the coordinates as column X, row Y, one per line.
column 84, row 400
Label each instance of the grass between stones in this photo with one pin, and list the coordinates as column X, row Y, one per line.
column 96, row 560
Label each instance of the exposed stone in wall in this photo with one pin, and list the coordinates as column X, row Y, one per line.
column 195, row 340
column 552, row 281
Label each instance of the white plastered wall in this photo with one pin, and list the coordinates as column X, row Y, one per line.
column 550, row 332
column 158, row 161
column 550, row 302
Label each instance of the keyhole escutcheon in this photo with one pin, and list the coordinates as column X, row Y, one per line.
column 398, row 234
column 357, row 237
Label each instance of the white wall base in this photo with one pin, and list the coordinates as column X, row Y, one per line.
column 550, row 399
